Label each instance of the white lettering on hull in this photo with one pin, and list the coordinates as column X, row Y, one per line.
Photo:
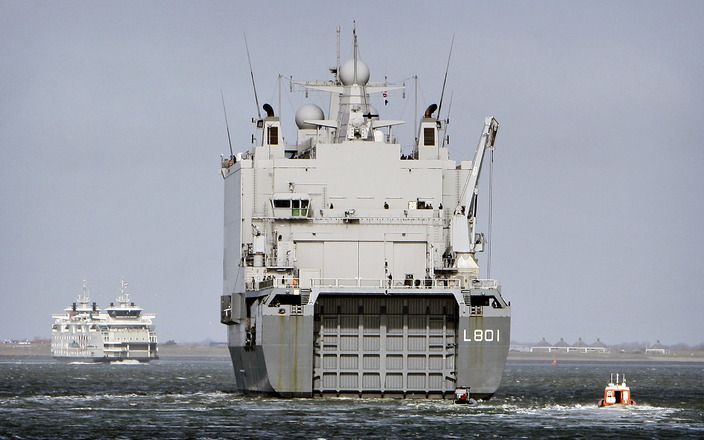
column 479, row 335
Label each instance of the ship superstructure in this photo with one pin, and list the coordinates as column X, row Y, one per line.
column 349, row 267
column 119, row 332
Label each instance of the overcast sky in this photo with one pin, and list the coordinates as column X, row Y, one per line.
column 111, row 129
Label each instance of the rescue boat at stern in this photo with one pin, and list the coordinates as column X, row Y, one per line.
column 617, row 393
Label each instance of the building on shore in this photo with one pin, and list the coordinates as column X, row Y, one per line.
column 657, row 348
column 563, row 346
column 542, row 347
column 599, row 347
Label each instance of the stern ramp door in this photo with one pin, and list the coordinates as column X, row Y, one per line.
column 385, row 345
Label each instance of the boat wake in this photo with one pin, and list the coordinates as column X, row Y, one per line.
column 127, row 362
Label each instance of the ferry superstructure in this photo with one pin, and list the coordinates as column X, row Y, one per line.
column 119, row 332
column 350, row 268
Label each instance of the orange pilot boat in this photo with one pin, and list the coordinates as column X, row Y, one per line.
column 617, row 393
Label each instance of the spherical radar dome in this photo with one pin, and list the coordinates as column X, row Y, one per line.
column 347, row 73
column 308, row 112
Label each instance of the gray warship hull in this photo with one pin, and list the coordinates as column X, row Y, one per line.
column 422, row 343
column 350, row 263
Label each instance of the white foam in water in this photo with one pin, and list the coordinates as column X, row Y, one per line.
column 127, row 362
column 24, row 362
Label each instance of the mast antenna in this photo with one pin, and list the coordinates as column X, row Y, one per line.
column 227, row 126
column 337, row 67
column 415, row 105
column 447, row 122
column 444, row 81
column 354, row 33
column 251, row 73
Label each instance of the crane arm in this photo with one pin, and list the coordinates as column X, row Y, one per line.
column 463, row 220
column 486, row 142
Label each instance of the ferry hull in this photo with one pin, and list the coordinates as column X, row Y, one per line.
column 104, row 360
column 90, row 347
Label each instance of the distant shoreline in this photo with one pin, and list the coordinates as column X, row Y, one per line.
column 194, row 350
column 612, row 357
column 43, row 349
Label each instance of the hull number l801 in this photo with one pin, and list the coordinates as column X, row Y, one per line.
column 479, row 335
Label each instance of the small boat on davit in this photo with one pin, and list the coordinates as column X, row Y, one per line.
column 617, row 393
column 462, row 397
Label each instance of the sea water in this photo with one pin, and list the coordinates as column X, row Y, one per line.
column 194, row 398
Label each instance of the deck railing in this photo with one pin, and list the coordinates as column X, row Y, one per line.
column 386, row 284
column 290, row 282
column 484, row 284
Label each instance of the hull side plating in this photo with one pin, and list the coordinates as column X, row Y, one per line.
column 370, row 344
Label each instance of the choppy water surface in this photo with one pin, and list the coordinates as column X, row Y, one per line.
column 193, row 399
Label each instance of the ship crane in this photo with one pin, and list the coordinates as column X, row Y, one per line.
column 465, row 241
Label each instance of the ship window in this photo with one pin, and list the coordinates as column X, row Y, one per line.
column 299, row 208
column 291, row 205
column 429, row 136
column 300, row 211
column 282, row 299
column 482, row 300
column 273, row 135
column 423, row 204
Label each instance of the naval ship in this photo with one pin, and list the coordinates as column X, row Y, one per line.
column 350, row 268
column 121, row 332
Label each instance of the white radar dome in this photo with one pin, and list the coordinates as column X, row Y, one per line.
column 308, row 112
column 347, row 73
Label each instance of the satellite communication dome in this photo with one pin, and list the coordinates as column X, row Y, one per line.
column 347, row 73
column 308, row 112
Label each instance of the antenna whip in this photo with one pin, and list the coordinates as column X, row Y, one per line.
column 227, row 126
column 251, row 73
column 449, row 109
column 444, row 81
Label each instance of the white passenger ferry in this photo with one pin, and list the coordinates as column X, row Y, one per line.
column 119, row 332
